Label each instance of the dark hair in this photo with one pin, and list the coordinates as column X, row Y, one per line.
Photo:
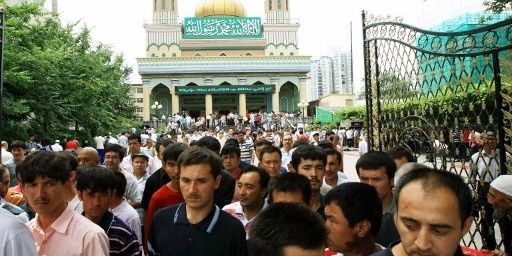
column 119, row 184
column 399, row 152
column 232, row 141
column 375, row 160
column 290, row 182
column 44, row 164
column 264, row 178
column 135, row 137
column 230, row 148
column 431, row 180
column 193, row 143
column 173, row 151
column 210, row 143
column 358, row 202
column 299, row 143
column 283, row 224
column 95, row 179
column 19, row 144
column 325, row 144
column 307, row 152
column 331, row 151
column 117, row 149
column 163, row 142
column 73, row 161
column 263, row 142
column 269, row 150
column 200, row 155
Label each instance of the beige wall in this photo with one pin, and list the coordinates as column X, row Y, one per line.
column 226, row 52
column 337, row 100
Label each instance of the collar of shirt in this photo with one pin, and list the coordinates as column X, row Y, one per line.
column 61, row 224
column 106, row 221
column 206, row 225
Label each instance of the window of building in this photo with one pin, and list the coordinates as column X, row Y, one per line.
column 349, row 102
column 163, row 55
column 270, row 4
column 153, row 55
column 139, row 100
column 279, row 4
column 271, row 54
column 140, row 90
column 163, row 4
column 281, row 54
column 140, row 109
column 291, row 54
column 174, row 54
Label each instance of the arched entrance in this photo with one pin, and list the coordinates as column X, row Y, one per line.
column 162, row 95
column 289, row 97
column 257, row 102
column 192, row 105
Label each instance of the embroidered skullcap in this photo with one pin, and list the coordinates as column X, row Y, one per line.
column 503, row 184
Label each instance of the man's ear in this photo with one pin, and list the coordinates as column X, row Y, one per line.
column 290, row 168
column 217, row 181
column 362, row 228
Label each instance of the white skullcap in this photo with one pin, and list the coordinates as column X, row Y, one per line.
column 503, row 184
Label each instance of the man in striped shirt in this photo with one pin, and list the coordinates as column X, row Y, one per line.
column 95, row 188
column 246, row 147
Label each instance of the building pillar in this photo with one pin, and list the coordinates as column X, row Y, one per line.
column 175, row 101
column 242, row 104
column 275, row 99
column 303, row 93
column 208, row 104
column 146, row 98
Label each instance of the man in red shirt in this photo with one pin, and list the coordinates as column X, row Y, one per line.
column 169, row 194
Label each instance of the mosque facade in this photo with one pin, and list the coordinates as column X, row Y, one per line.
column 222, row 61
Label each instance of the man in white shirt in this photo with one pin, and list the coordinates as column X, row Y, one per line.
column 253, row 189
column 100, row 147
column 15, row 237
column 6, row 155
column 113, row 155
column 56, row 146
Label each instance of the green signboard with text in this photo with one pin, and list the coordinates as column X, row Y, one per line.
column 222, row 28
column 225, row 89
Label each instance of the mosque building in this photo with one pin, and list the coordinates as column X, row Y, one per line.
column 222, row 61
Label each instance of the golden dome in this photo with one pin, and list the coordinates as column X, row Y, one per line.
column 209, row 8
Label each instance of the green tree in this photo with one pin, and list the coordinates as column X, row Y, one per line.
column 57, row 83
column 498, row 6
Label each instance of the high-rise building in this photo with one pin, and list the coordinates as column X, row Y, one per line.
column 331, row 75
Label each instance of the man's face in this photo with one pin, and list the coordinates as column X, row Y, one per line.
column 87, row 159
column 139, row 164
column 287, row 141
column 429, row 222
column 293, row 250
column 499, row 200
column 251, row 193
column 18, row 154
column 171, row 169
column 271, row 163
column 378, row 179
column 230, row 161
column 112, row 160
column 4, row 184
column 332, row 167
column 288, row 197
column 240, row 137
column 45, row 195
column 316, row 137
column 95, row 204
column 314, row 170
column 340, row 236
column 197, row 185
column 134, row 146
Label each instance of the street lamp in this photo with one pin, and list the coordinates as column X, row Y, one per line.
column 303, row 107
column 156, row 107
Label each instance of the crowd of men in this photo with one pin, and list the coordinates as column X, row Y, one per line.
column 239, row 193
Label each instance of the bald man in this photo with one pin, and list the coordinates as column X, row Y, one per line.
column 88, row 157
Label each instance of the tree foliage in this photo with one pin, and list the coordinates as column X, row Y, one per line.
column 57, row 83
column 498, row 6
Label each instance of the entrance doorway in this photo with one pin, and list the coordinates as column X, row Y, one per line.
column 256, row 102
column 193, row 105
column 225, row 103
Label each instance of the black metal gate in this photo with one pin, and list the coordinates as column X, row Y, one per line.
column 447, row 97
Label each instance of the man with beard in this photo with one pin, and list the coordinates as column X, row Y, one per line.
column 253, row 190
column 352, row 213
column 500, row 197
column 309, row 161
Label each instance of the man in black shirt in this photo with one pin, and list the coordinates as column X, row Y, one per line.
column 433, row 214
column 157, row 179
column 197, row 226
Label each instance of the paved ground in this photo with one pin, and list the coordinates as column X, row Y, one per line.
column 350, row 158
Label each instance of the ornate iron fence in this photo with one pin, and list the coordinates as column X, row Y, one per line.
column 445, row 96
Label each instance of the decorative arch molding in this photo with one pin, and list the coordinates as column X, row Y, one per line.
column 225, row 83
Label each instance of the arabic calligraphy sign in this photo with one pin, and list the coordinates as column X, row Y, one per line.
column 225, row 89
column 222, row 27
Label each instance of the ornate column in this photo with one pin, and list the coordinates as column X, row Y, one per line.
column 146, row 98
column 302, row 92
column 242, row 104
column 175, row 98
column 275, row 96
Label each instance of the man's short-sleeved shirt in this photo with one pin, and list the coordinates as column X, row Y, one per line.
column 246, row 149
column 218, row 234
column 69, row 234
column 122, row 239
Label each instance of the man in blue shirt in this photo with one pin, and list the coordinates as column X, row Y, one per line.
column 197, row 226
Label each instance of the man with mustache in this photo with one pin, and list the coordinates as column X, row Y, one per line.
column 197, row 226
column 253, row 190
column 433, row 213
column 310, row 161
column 57, row 230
